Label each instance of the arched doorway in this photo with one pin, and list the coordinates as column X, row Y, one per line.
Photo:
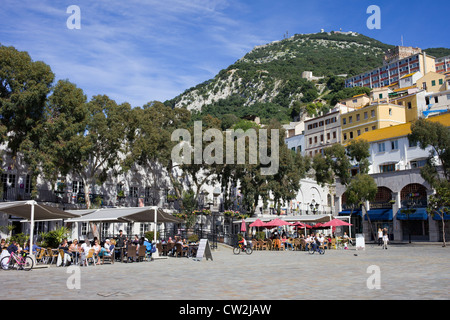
column 413, row 214
column 381, row 212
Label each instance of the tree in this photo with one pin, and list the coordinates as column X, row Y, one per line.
column 436, row 171
column 150, row 140
column 24, row 86
column 56, row 140
column 362, row 188
column 102, row 142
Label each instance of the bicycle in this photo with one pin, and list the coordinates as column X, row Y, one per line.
column 318, row 249
column 18, row 262
column 239, row 247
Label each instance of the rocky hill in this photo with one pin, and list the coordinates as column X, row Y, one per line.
column 268, row 82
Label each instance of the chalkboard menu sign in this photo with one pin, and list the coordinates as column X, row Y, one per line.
column 204, row 250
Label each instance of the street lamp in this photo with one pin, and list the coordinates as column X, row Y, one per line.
column 409, row 210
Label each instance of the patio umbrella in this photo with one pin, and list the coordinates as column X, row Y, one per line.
column 300, row 225
column 318, row 225
column 277, row 223
column 257, row 223
column 243, row 226
column 335, row 223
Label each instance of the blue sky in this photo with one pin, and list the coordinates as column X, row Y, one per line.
column 139, row 51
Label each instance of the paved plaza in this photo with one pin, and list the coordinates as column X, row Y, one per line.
column 401, row 272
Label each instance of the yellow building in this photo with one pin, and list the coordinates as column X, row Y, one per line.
column 414, row 103
column 357, row 101
column 432, row 82
column 371, row 118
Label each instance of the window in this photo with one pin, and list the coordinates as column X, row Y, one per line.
column 433, row 83
column 366, row 129
column 424, row 85
column 345, row 136
column 315, row 139
column 436, row 99
column 134, row 192
column 365, row 116
column 350, row 119
column 28, row 184
column 351, row 134
column 334, row 135
column 390, row 111
column 310, row 141
column 387, row 167
column 441, row 81
column 372, row 113
column 84, row 228
column 344, row 121
column 418, row 163
column 321, row 138
column 380, row 96
column 412, row 144
column 381, row 147
column 357, row 117
column 394, row 145
column 409, row 105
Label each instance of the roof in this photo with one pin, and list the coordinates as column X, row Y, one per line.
column 42, row 212
column 408, row 75
column 400, row 130
column 132, row 214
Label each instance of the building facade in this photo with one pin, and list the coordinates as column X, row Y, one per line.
column 394, row 68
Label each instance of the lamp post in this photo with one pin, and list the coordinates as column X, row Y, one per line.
column 409, row 209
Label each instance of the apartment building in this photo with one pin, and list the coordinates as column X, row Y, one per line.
column 395, row 166
column 370, row 118
column 432, row 82
column 443, row 64
column 324, row 131
column 394, row 68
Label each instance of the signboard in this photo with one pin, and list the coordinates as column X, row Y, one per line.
column 204, row 250
column 360, row 243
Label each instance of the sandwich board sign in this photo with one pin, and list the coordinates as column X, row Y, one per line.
column 204, row 250
column 360, row 243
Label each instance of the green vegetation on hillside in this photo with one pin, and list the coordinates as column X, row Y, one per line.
column 267, row 81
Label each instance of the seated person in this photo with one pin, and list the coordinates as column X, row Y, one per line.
column 286, row 243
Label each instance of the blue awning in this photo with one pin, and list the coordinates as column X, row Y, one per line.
column 437, row 217
column 420, row 214
column 356, row 212
column 379, row 214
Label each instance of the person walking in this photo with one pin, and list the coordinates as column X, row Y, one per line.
column 380, row 237
column 385, row 239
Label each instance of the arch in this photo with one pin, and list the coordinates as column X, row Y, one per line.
column 384, row 194
column 413, row 193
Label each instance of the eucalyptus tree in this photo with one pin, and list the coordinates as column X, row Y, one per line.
column 150, row 144
column 24, row 86
column 53, row 149
column 102, row 143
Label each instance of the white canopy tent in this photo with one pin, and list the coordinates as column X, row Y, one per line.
column 34, row 211
column 133, row 214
